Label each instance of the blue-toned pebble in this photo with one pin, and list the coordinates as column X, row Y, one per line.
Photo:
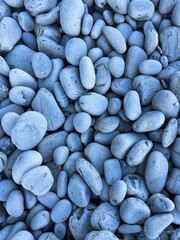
column 138, row 152
column 121, row 86
column 51, row 32
column 82, row 122
column 136, row 38
column 104, row 45
column 5, row 231
column 156, row 172
column 117, row 192
column 10, row 34
column 37, row 208
column 154, row 225
column 108, row 17
column 107, row 124
column 24, row 162
column 136, row 186
column 87, row 136
column 166, row 102
column 132, row 105
column 119, row 7
column 116, row 66
column 38, row 180
column 73, row 142
column 71, row 23
column 131, row 22
column 97, row 28
column 87, row 73
column 70, row 81
column 173, row 183
column 68, row 125
column 93, row 103
column 61, row 211
column 119, row 18
column 175, row 15
column 129, row 229
column 97, row 154
column 49, row 143
column 147, row 87
column 141, row 11
column 158, row 203
column 25, row 21
column 29, row 40
column 60, row 95
column 42, row 65
column 134, row 211
column 165, row 6
column 164, row 61
column 95, row 53
column 49, row 199
column 40, row 220
column 90, row 42
column 112, row 171
column 132, row 64
column 103, row 76
column 18, row 77
column 125, row 29
column 174, row 84
column 48, row 18
column 15, row 203
column 169, row 133
column 4, row 68
column 60, row 230
column 115, row 39
column 122, row 143
column 3, row 92
column 79, row 221
column 105, row 217
column 3, row 161
column 168, row 39
column 16, row 228
column 149, row 121
column 62, row 182
column 164, row 151
column 45, row 103
column 15, row 56
column 101, row 235
column 151, row 37
column 87, row 24
column 78, row 191
column 70, row 164
column 8, row 121
column 50, row 47
column 6, row 10
column 23, row 234
column 114, row 106
column 150, row 67
column 6, row 187
column 75, row 49
column 39, row 7
column 21, row 95
column 29, row 130
column 60, row 155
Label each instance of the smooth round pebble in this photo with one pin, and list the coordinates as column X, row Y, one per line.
column 107, row 125
column 150, row 67
column 116, row 66
column 61, row 211
column 117, row 192
column 8, row 121
column 60, row 155
column 15, row 204
column 82, row 122
column 112, row 170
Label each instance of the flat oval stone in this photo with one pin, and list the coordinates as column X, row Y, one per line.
column 154, row 225
column 29, row 130
column 149, row 121
column 170, row 132
column 105, row 217
column 138, row 152
column 134, row 211
column 117, row 192
column 78, row 191
column 42, row 65
column 129, row 229
column 173, row 182
column 107, row 124
column 61, row 211
column 90, row 175
column 170, row 43
column 10, row 34
column 24, row 162
column 8, row 122
column 150, row 67
column 156, row 172
column 40, row 220
column 45, row 103
column 158, row 203
column 71, row 22
column 15, row 203
column 93, row 103
column 115, row 39
column 38, row 180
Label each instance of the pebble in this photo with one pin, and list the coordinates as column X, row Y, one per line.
column 38, row 180
column 112, row 170
column 61, row 211
column 150, row 67
column 116, row 66
column 174, row 84
column 170, row 132
column 87, row 73
column 60, row 155
column 15, row 203
column 25, row 21
column 8, row 122
column 107, row 125
column 156, row 172
column 117, row 192
column 29, row 130
column 20, row 235
column 90, row 175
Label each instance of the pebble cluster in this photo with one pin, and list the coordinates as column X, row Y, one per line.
column 90, row 122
